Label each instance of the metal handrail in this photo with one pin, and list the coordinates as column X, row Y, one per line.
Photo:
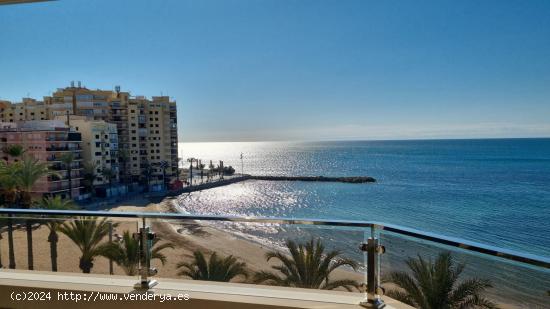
column 511, row 255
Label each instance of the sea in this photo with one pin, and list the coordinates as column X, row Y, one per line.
column 490, row 191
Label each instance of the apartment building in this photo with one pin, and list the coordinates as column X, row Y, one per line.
column 153, row 137
column 48, row 141
column 28, row 109
column 146, row 128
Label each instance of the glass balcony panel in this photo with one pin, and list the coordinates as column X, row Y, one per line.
column 514, row 284
column 250, row 243
column 45, row 245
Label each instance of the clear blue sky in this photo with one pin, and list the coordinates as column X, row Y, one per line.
column 283, row 70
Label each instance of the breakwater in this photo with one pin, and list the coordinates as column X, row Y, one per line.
column 235, row 179
column 358, row 179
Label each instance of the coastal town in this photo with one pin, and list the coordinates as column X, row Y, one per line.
column 100, row 143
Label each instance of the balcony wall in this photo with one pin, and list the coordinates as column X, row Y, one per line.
column 207, row 295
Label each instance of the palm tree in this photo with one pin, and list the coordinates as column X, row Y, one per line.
column 191, row 174
column 163, row 165
column 178, row 171
column 123, row 158
column 90, row 176
column 14, row 151
column 8, row 182
column 109, row 174
column 435, row 285
column 53, row 224
column 126, row 253
column 147, row 172
column 30, row 171
column 308, row 266
column 67, row 159
column 215, row 269
column 87, row 234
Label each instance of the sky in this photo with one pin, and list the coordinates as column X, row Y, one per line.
column 260, row 70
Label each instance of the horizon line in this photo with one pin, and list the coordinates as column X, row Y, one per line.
column 366, row 140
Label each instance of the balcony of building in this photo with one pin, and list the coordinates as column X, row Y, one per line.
column 58, row 166
column 57, row 157
column 63, row 176
column 64, row 147
column 518, row 279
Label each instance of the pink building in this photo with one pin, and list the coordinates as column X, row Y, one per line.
column 47, row 141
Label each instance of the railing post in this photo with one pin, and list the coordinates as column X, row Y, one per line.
column 11, row 251
column 145, row 237
column 1, row 266
column 373, row 251
column 110, row 241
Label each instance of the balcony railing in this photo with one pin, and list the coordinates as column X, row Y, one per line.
column 376, row 249
column 63, row 148
column 63, row 167
column 57, row 157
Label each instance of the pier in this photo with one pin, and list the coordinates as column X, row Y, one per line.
column 236, row 179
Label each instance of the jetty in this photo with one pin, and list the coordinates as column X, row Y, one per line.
column 359, row 179
column 236, row 179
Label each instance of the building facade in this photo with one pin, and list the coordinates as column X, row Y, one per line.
column 48, row 141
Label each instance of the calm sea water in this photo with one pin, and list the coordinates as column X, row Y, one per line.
column 494, row 191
